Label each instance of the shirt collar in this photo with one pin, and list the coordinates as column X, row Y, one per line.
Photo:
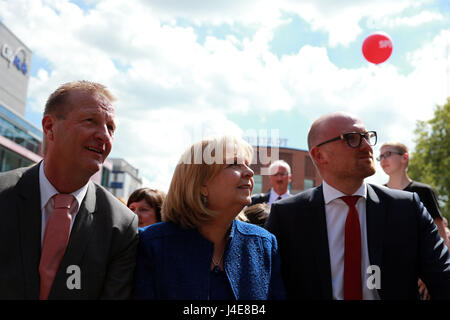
column 48, row 190
column 330, row 193
column 276, row 195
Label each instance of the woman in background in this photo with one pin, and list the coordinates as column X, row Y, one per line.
column 146, row 203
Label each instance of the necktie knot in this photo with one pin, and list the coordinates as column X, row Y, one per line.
column 350, row 200
column 63, row 201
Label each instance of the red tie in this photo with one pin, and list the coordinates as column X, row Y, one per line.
column 352, row 258
column 56, row 237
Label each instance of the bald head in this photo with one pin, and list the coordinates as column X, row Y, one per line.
column 341, row 165
column 328, row 126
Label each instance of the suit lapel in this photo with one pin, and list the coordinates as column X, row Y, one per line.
column 29, row 210
column 81, row 229
column 375, row 215
column 319, row 235
column 78, row 240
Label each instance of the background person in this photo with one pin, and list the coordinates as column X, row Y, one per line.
column 394, row 159
column 280, row 177
column 54, row 218
column 333, row 237
column 146, row 203
column 256, row 214
column 201, row 251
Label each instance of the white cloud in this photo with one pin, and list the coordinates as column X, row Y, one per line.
column 408, row 21
column 172, row 90
column 153, row 140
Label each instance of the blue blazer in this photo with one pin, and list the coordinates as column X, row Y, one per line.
column 174, row 263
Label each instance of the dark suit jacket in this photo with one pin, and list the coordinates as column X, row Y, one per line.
column 402, row 240
column 103, row 243
column 260, row 198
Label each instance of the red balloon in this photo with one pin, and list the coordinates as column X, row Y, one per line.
column 377, row 47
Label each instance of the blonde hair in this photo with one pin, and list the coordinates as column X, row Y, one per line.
column 184, row 204
column 398, row 146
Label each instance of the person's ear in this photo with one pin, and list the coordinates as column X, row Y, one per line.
column 406, row 156
column 48, row 126
column 318, row 155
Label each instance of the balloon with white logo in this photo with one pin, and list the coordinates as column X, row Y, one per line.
column 377, row 47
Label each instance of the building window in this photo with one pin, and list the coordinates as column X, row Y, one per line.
column 105, row 177
column 257, row 187
column 308, row 184
column 10, row 160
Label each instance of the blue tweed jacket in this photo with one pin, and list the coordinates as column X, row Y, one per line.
column 174, row 264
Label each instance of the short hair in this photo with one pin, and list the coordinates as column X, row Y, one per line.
column 257, row 213
column 280, row 163
column 184, row 204
column 57, row 104
column 398, row 146
column 154, row 198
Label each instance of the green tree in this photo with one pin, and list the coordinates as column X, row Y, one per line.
column 430, row 162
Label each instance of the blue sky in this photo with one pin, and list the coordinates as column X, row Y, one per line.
column 182, row 70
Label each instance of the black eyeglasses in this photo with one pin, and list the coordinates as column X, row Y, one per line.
column 354, row 139
column 387, row 154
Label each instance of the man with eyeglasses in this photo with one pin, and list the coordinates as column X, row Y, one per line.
column 348, row 239
column 280, row 177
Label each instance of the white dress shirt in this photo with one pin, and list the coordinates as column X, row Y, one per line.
column 336, row 213
column 47, row 204
column 274, row 196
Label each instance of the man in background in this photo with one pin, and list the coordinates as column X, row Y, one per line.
column 280, row 177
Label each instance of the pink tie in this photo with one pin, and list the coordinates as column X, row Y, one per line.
column 352, row 255
column 56, row 237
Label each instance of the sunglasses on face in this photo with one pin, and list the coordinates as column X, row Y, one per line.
column 354, row 139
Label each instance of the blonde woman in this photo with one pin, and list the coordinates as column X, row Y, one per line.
column 201, row 251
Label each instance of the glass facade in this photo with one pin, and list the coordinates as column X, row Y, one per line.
column 308, row 183
column 257, row 186
column 105, row 177
column 18, row 130
column 10, row 160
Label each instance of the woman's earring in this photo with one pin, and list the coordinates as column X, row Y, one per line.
column 204, row 200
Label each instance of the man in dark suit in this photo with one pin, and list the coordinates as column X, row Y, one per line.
column 97, row 257
column 350, row 240
column 280, row 177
